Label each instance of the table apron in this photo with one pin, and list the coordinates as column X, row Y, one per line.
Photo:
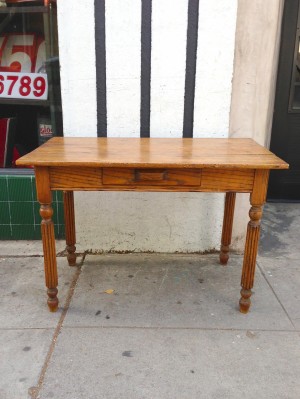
column 150, row 179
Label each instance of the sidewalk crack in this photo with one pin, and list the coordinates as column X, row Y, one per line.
column 276, row 296
column 34, row 391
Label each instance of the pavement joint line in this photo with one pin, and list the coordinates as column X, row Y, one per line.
column 20, row 256
column 34, row 391
column 150, row 328
column 25, row 328
column 59, row 255
column 276, row 296
column 63, row 254
column 182, row 328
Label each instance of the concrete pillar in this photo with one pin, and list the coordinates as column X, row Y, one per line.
column 254, row 82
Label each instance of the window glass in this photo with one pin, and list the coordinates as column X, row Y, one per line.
column 30, row 98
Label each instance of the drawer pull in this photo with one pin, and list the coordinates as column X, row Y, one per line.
column 145, row 175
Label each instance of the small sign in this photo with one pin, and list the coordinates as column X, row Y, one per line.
column 45, row 130
column 31, row 86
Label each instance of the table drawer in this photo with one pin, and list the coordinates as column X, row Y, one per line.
column 151, row 177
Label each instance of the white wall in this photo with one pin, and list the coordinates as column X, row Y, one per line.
column 76, row 35
column 169, row 28
column 216, row 35
column 147, row 221
column 123, row 49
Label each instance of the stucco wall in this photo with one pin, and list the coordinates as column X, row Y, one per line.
column 76, row 34
column 147, row 221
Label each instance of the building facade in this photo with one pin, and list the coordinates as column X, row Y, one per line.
column 171, row 68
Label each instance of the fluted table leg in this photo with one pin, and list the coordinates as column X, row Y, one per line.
column 45, row 198
column 227, row 227
column 47, row 227
column 251, row 247
column 257, row 199
column 70, row 227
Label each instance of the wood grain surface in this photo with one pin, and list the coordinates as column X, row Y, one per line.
column 153, row 152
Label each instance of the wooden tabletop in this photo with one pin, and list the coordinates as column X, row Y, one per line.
column 153, row 152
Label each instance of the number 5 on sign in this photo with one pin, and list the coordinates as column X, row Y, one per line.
column 33, row 86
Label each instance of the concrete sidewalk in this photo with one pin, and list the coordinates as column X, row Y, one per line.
column 169, row 330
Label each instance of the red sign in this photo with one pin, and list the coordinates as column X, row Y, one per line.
column 21, row 52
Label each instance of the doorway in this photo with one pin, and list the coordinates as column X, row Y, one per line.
column 285, row 138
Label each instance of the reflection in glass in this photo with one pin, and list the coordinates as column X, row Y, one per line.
column 298, row 64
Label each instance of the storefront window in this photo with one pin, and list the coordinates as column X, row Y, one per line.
column 30, row 98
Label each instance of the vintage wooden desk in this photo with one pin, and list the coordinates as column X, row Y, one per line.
column 141, row 164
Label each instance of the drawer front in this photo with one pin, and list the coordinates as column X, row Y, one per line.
column 151, row 177
column 75, row 178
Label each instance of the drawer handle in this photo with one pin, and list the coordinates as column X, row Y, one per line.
column 153, row 175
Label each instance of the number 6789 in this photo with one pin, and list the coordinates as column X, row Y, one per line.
column 21, row 85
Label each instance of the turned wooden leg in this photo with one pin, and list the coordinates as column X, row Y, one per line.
column 227, row 227
column 47, row 227
column 70, row 227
